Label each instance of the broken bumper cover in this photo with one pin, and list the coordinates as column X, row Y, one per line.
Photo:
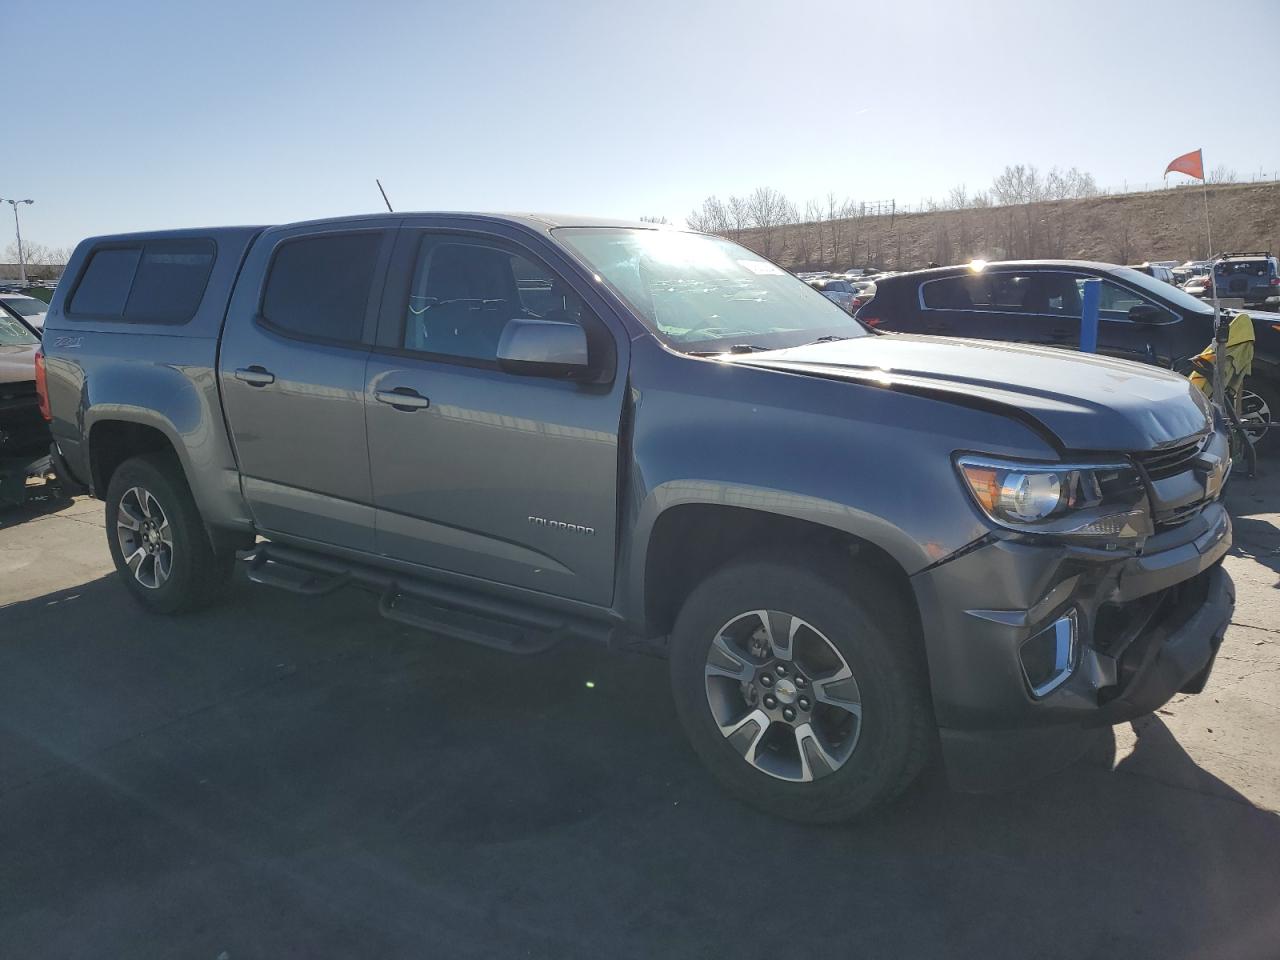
column 1142, row 629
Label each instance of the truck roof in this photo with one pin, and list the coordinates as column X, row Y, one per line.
column 541, row 222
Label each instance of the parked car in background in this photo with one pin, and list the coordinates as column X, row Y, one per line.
column 836, row 290
column 24, row 434
column 27, row 309
column 1252, row 277
column 1156, row 270
column 1201, row 285
column 864, row 292
column 1039, row 301
column 1190, row 269
column 849, row 546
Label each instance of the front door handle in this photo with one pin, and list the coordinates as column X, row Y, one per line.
column 402, row 398
column 255, row 376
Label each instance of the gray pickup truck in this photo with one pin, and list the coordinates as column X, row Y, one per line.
column 851, row 546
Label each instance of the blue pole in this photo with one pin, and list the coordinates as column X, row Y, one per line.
column 1091, row 298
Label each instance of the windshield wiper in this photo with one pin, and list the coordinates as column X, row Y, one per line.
column 828, row 339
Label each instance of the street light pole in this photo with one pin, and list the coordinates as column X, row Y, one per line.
column 22, row 262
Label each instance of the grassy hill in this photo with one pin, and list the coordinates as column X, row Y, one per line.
column 1125, row 228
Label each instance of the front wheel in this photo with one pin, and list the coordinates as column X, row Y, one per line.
column 157, row 540
column 804, row 697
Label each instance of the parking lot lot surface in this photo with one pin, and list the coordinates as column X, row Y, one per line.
column 291, row 777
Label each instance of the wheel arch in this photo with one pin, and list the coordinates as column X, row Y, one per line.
column 687, row 541
column 115, row 439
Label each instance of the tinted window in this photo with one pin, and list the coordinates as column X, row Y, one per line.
column 104, row 286
column 1010, row 291
column 464, row 293
column 1117, row 299
column 957, row 293
column 1055, row 294
column 318, row 287
column 170, row 281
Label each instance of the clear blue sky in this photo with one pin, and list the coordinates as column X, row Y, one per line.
column 130, row 115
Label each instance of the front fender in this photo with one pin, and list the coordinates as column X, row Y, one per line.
column 859, row 459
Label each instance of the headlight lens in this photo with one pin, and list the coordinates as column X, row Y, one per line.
column 1102, row 501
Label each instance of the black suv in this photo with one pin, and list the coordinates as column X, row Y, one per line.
column 1038, row 301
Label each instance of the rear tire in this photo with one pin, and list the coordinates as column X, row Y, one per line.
column 157, row 539
column 847, row 760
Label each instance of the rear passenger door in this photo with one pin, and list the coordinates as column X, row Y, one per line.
column 475, row 470
column 292, row 371
column 960, row 306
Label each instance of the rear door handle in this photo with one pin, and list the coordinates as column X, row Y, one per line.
column 402, row 398
column 255, row 376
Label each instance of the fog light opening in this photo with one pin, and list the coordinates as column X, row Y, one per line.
column 1049, row 657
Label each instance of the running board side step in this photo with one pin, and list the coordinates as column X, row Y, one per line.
column 447, row 611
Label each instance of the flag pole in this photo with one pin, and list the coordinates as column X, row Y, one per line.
column 1219, row 328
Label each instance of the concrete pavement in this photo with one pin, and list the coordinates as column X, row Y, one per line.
column 284, row 777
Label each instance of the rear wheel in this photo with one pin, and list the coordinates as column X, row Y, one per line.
column 157, row 540
column 800, row 694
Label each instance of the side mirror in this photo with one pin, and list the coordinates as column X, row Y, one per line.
column 543, row 348
column 1144, row 313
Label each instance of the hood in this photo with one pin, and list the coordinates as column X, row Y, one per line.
column 1086, row 402
column 18, row 363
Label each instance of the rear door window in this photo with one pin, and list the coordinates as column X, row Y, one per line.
column 318, row 287
column 957, row 293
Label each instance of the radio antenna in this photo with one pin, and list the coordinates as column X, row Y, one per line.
column 384, row 195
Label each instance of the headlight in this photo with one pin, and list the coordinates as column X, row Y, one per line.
column 1099, row 501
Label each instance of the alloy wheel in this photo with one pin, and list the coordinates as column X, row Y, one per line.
column 783, row 696
column 1255, row 415
column 144, row 537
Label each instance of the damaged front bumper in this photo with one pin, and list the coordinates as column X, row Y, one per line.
column 1031, row 645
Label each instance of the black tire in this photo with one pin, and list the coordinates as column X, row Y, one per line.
column 197, row 573
column 855, row 613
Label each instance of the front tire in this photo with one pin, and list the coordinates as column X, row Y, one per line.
column 157, row 539
column 802, row 694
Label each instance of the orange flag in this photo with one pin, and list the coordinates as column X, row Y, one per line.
column 1192, row 164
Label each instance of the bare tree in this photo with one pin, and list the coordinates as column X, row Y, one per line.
column 738, row 215
column 43, row 263
column 654, row 220
column 768, row 211
column 711, row 217
column 1221, row 174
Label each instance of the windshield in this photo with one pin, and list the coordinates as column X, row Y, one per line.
column 27, row 306
column 701, row 293
column 1165, row 291
column 14, row 334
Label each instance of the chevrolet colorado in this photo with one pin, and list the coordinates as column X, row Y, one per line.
column 851, row 546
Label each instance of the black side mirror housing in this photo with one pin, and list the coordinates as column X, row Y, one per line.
column 1144, row 313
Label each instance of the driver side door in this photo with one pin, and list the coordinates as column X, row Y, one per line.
column 501, row 476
